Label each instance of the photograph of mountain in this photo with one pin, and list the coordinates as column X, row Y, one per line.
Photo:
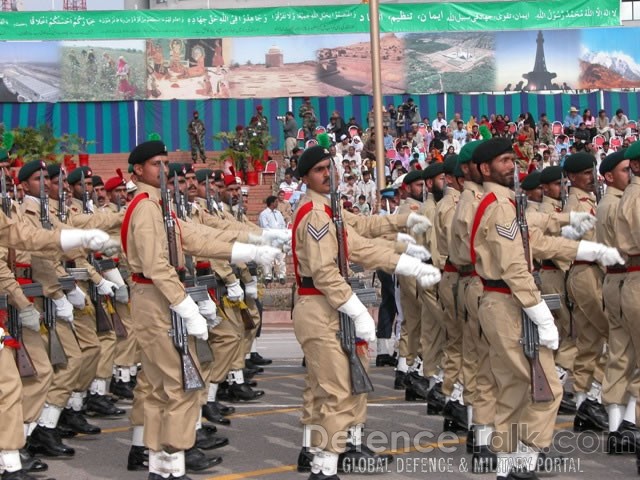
column 609, row 59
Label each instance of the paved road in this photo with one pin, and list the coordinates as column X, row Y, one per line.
column 265, row 436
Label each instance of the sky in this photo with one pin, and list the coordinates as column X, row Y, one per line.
column 295, row 49
column 24, row 52
column 610, row 40
column 516, row 53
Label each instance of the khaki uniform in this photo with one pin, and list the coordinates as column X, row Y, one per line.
column 628, row 242
column 448, row 293
column 498, row 247
column 170, row 414
column 316, row 323
column 286, row 211
column 553, row 275
column 584, row 286
column 469, row 293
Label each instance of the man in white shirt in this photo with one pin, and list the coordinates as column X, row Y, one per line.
column 450, row 141
column 367, row 187
column 271, row 218
column 288, row 185
column 460, row 133
column 438, row 122
column 353, row 155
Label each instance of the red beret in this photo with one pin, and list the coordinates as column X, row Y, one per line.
column 239, row 128
column 522, row 138
column 259, row 108
column 231, row 180
column 115, row 182
column 522, row 176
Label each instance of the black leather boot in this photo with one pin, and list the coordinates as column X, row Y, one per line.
column 361, row 459
column 64, row 431
column 591, row 416
column 138, row 458
column 121, row 389
column 435, row 398
column 305, row 457
column 77, row 423
column 196, row 461
column 398, row 384
column 206, row 440
column 626, row 439
column 211, row 412
column 242, row 392
column 225, row 409
column 417, row 384
column 483, row 460
column 31, row 463
column 457, row 416
column 100, row 405
column 259, row 360
column 19, row 475
column 385, row 360
column 567, row 404
column 47, row 442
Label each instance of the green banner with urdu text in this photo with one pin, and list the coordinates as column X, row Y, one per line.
column 430, row 17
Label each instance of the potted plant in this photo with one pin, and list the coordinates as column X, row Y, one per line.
column 73, row 144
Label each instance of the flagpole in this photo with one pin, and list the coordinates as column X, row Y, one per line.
column 374, row 31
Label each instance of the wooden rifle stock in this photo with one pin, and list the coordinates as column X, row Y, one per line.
column 57, row 355
column 118, row 327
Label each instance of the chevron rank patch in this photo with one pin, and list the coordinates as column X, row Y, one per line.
column 317, row 233
column 509, row 230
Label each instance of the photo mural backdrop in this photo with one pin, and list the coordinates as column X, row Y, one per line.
column 314, row 51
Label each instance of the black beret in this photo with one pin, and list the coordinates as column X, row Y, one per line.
column 97, row 181
column 633, row 152
column 531, row 181
column 579, row 162
column 466, row 152
column 310, row 157
column 450, row 164
column 412, row 176
column 177, row 169
column 551, row 174
column 75, row 176
column 30, row 168
column 188, row 167
column 490, row 149
column 610, row 162
column 203, row 174
column 218, row 176
column 433, row 170
column 147, row 150
column 53, row 169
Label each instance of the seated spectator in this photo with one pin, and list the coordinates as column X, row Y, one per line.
column 451, row 142
column 439, row 122
column 364, row 206
column 355, row 170
column 590, row 122
column 546, row 136
column 387, row 139
column 343, row 146
column 524, row 152
column 292, row 169
column 285, row 207
column 460, row 134
column 562, row 143
column 603, row 126
column 352, row 154
column 583, row 134
column 605, row 149
column 475, row 133
column 620, row 124
column 289, row 184
column 355, row 209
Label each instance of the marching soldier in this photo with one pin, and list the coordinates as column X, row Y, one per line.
column 584, row 287
column 626, row 230
column 170, row 413
column 321, row 290
column 509, row 288
column 531, row 186
column 453, row 379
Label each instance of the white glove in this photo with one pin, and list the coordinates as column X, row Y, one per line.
column 207, row 309
column 275, row 237
column 582, row 221
column 403, row 237
column 597, row 252
column 74, row 238
column 64, row 309
column 105, row 287
column 196, row 324
column 113, row 275
column 122, row 294
column 243, row 252
column 235, row 292
column 266, row 255
column 111, row 247
column 30, row 318
column 547, row 331
column 426, row 275
column 418, row 251
column 418, row 223
column 364, row 324
column 251, row 288
column 571, row 233
column 77, row 298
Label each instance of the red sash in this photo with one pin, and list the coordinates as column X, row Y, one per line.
column 124, row 229
column 484, row 204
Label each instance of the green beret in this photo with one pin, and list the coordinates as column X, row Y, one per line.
column 203, row 174
column 579, row 162
column 531, row 181
column 491, row 149
column 54, row 170
column 633, row 152
column 147, row 150
column 177, row 169
column 218, row 176
column 450, row 164
column 412, row 176
column 188, row 167
column 387, row 193
column 610, row 162
column 30, row 168
column 433, row 170
column 551, row 174
column 75, row 176
column 97, row 181
column 310, row 157
column 457, row 172
column 466, row 152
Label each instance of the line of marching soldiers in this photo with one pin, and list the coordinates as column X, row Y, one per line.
column 530, row 294
column 88, row 279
